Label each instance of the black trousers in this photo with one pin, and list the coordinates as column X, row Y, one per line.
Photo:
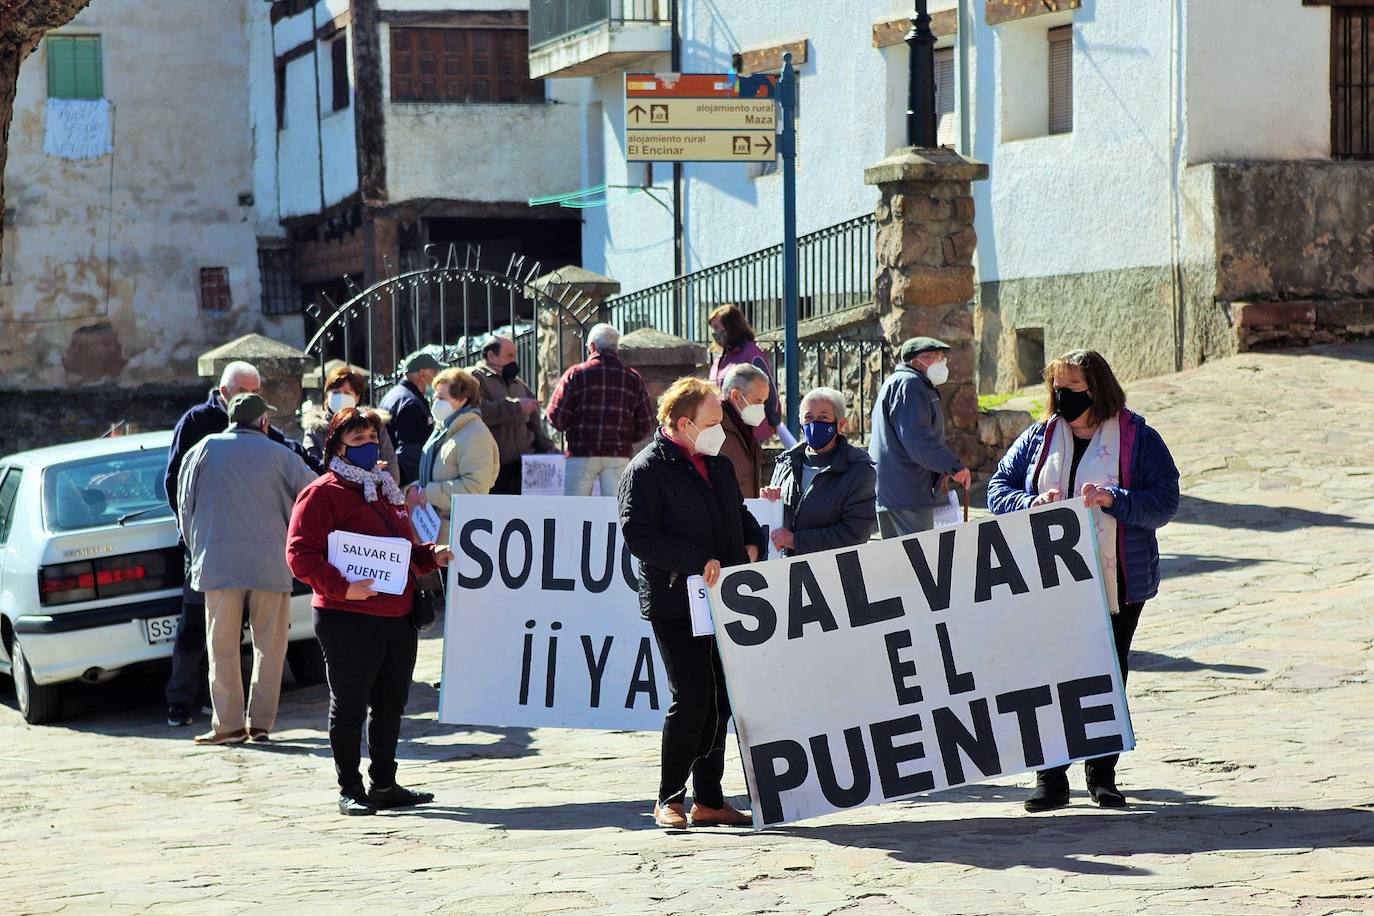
column 508, row 479
column 189, row 683
column 1124, row 622
column 694, row 730
column 369, row 662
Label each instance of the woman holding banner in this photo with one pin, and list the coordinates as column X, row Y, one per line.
column 1088, row 443
column 681, row 514
column 368, row 638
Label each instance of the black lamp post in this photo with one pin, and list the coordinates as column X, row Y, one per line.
column 920, row 90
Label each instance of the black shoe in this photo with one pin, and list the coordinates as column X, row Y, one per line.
column 1106, row 794
column 1051, row 791
column 178, row 715
column 354, row 803
column 397, row 797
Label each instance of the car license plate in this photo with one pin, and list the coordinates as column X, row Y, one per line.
column 161, row 630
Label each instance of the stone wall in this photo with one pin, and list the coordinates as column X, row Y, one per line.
column 37, row 419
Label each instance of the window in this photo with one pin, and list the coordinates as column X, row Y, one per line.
column 946, row 120
column 1352, row 82
column 98, row 491
column 338, row 61
column 1061, row 80
column 214, row 289
column 74, row 67
column 281, row 95
column 280, row 293
column 9, row 492
column 462, row 65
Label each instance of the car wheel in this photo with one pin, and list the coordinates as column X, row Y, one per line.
column 306, row 659
column 37, row 704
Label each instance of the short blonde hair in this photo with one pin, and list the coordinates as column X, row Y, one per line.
column 460, row 384
column 683, row 398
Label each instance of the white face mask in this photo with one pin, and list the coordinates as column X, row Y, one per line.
column 753, row 414
column 938, row 373
column 340, row 400
column 441, row 410
column 709, row 440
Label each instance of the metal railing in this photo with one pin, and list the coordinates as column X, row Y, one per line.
column 837, row 269
column 551, row 20
column 856, row 368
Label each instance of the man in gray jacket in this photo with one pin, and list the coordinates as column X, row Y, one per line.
column 908, row 440
column 235, row 493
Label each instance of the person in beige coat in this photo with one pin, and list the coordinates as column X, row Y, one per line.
column 461, row 455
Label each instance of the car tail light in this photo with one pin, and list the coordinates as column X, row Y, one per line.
column 109, row 577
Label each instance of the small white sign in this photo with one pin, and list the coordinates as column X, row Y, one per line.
column 426, row 522
column 386, row 561
column 699, row 603
column 543, row 475
column 951, row 513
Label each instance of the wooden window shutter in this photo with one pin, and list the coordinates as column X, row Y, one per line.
column 462, row 65
column 338, row 61
column 947, row 122
column 1352, row 82
column 75, row 67
column 1061, row 80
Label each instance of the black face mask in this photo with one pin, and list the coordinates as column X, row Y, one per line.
column 1071, row 404
column 510, row 371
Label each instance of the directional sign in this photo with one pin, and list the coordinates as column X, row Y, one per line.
column 700, row 117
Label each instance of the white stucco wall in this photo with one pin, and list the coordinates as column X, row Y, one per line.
column 1258, row 80
column 481, row 152
column 1100, row 197
column 101, row 263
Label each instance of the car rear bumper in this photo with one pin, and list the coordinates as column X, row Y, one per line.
column 63, row 646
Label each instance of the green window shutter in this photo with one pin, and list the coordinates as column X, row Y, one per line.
column 74, row 67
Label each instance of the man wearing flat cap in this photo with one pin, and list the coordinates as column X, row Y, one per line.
column 235, row 492
column 407, row 403
column 908, row 440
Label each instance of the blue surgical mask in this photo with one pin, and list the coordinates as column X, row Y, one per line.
column 364, row 456
column 818, row 434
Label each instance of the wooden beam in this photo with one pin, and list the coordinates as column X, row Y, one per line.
column 368, row 118
column 300, row 50
column 328, row 30
column 768, row 60
column 893, row 32
column 457, row 19
column 999, row 11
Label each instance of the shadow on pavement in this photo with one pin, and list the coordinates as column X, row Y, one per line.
column 1058, row 840
column 1155, row 661
column 1259, row 518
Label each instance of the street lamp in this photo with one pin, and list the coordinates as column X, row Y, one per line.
column 920, row 90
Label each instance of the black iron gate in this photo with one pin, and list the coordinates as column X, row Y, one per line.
column 448, row 309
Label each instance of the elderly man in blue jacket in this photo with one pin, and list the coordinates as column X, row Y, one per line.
column 908, row 440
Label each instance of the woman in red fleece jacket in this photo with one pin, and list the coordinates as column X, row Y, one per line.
column 368, row 640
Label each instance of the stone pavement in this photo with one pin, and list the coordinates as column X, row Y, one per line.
column 1252, row 785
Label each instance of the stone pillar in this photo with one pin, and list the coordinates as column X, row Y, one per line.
column 281, row 367
column 925, row 285
column 662, row 359
column 558, row 352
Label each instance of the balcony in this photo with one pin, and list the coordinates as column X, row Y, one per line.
column 591, row 37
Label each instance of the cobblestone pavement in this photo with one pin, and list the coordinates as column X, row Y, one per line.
column 1252, row 786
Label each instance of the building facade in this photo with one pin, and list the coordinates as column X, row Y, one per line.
column 1170, row 180
column 133, row 219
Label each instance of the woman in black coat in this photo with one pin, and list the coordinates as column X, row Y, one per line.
column 828, row 486
column 682, row 514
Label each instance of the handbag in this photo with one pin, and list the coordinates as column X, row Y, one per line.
column 425, row 601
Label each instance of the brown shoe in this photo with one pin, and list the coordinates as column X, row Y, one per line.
column 724, row 816
column 213, row 737
column 670, row 816
column 258, row 735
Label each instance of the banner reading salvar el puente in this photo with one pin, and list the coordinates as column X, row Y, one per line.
column 908, row 666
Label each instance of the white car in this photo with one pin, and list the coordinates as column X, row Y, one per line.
column 91, row 570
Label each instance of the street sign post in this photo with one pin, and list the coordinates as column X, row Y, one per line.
column 726, row 117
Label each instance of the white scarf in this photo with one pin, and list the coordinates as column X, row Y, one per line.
column 1101, row 465
column 370, row 481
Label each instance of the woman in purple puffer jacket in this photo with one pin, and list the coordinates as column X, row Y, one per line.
column 1090, row 444
column 732, row 333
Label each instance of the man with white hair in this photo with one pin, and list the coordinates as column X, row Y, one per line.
column 744, row 394
column 828, row 487
column 604, row 409
column 188, row 681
